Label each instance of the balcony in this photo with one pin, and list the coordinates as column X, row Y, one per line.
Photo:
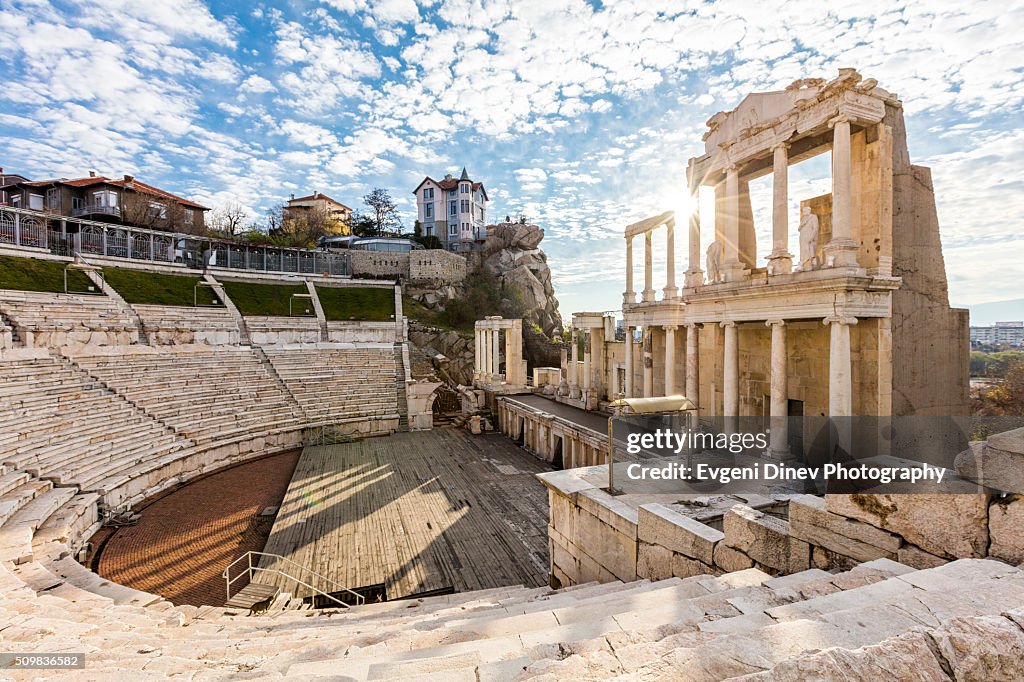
column 95, row 209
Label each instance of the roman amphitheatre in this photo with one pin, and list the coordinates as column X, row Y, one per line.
column 250, row 471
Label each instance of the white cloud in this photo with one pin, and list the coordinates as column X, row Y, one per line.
column 256, row 85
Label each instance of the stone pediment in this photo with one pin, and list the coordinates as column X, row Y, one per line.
column 756, row 110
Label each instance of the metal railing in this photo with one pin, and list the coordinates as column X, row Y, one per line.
column 95, row 209
column 251, row 569
column 67, row 236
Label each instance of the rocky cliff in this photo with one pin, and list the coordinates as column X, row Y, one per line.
column 514, row 270
column 513, row 256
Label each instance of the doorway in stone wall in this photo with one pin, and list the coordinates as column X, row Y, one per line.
column 556, row 459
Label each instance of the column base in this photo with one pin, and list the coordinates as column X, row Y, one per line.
column 783, row 455
column 649, row 295
column 733, row 272
column 670, row 293
column 628, row 297
column 841, row 253
column 693, row 278
column 780, row 264
column 574, row 392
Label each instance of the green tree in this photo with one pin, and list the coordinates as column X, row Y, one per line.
column 383, row 212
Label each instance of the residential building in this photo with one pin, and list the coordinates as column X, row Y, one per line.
column 336, row 215
column 126, row 201
column 999, row 334
column 453, row 210
column 8, row 179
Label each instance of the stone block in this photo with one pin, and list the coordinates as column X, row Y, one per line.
column 808, row 510
column 982, row 648
column 827, row 560
column 763, row 538
column 915, row 557
column 661, row 525
column 615, row 551
column 948, row 525
column 609, row 510
column 1006, row 529
column 1000, row 468
column 729, row 559
column 654, row 562
column 685, row 567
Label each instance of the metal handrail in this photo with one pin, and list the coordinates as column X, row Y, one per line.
column 360, row 599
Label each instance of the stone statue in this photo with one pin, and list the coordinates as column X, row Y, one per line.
column 714, row 260
column 808, row 239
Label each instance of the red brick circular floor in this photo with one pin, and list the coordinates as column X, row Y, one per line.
column 186, row 538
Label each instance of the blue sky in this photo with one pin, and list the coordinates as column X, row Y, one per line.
column 579, row 115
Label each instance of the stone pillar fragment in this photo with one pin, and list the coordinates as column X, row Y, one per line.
column 780, row 262
column 670, row 360
column 731, row 374
column 779, row 405
column 693, row 363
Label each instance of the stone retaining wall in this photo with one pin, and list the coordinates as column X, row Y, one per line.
column 596, row 536
column 273, row 331
column 433, row 266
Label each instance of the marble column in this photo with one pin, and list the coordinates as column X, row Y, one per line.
column 476, row 354
column 779, row 405
column 648, row 363
column 648, row 294
column 628, row 388
column 693, row 363
column 780, row 262
column 588, row 337
column 731, row 373
column 841, row 251
column 670, row 359
column 671, row 290
column 574, row 381
column 629, row 296
column 840, row 369
column 732, row 268
column 485, row 362
column 694, row 275
column 496, row 354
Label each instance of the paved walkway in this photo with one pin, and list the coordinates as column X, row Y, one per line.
column 187, row 537
column 589, row 420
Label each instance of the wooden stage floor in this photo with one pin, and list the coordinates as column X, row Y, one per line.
column 417, row 512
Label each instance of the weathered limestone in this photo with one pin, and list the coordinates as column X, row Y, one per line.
column 810, row 521
column 943, row 524
column 765, row 539
column 678, row 533
column 1006, row 529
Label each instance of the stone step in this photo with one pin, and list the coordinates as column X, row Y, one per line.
column 13, row 501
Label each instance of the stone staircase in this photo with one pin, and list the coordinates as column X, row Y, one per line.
column 962, row 620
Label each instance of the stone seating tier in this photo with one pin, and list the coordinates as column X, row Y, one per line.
column 42, row 311
column 346, row 383
column 880, row 618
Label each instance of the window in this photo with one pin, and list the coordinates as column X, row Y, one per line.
column 465, row 205
column 453, row 229
column 77, row 203
column 157, row 210
column 35, row 202
column 105, row 198
column 53, row 199
column 15, row 200
column 190, row 216
column 464, row 188
column 452, row 194
column 453, row 207
column 428, row 211
column 428, row 193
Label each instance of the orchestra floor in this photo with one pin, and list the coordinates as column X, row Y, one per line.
column 415, row 512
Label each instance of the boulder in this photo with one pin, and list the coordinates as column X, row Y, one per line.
column 1006, row 529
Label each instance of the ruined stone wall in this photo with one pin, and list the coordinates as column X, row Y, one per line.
column 438, row 266
column 378, row 264
column 595, row 536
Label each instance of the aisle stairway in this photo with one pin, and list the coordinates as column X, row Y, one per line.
column 699, row 628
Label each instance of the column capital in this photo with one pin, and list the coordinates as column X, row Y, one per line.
column 840, row 319
column 841, row 118
column 785, row 145
column 726, row 324
column 693, row 325
column 772, row 323
column 670, row 327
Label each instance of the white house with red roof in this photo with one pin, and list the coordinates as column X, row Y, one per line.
column 453, row 210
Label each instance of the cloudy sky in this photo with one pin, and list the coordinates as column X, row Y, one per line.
column 579, row 115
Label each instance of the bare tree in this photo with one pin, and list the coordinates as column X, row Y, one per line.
column 383, row 211
column 229, row 218
column 158, row 213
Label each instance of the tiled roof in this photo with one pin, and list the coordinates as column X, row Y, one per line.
column 136, row 185
column 318, row 195
column 449, row 185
